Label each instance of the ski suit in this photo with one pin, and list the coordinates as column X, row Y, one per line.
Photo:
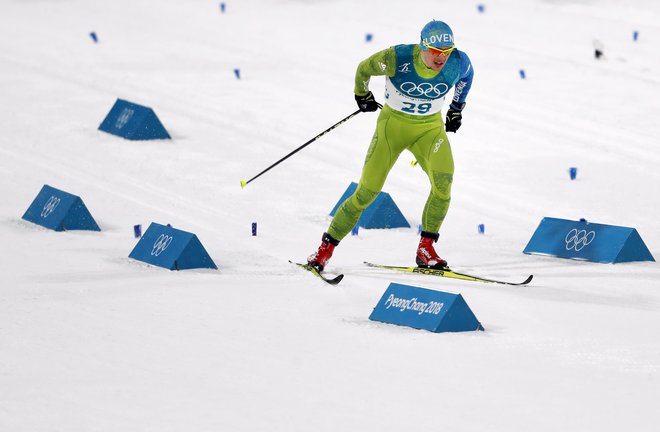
column 411, row 119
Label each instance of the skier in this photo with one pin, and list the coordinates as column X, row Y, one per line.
column 418, row 77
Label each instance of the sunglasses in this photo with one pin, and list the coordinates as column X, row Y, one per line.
column 439, row 51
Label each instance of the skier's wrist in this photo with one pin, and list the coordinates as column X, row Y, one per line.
column 457, row 106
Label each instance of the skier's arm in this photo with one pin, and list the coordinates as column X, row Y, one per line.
column 454, row 116
column 381, row 63
column 464, row 83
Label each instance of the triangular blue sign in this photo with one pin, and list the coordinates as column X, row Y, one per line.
column 58, row 210
column 426, row 309
column 173, row 249
column 134, row 122
column 582, row 240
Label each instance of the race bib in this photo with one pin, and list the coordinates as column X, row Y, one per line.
column 415, row 98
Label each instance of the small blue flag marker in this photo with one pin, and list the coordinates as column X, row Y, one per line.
column 222, row 7
column 481, row 228
column 137, row 230
column 522, row 74
column 93, row 36
column 254, row 229
column 355, row 230
column 635, row 35
column 572, row 171
column 368, row 37
column 237, row 72
column 481, row 8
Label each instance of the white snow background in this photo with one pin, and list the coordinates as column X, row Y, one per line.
column 91, row 340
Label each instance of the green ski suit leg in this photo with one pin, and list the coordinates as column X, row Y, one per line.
column 433, row 153
column 425, row 137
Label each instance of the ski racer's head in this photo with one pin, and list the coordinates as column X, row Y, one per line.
column 437, row 43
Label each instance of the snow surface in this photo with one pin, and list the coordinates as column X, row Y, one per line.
column 93, row 341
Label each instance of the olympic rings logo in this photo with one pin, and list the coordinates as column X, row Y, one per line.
column 124, row 117
column 50, row 206
column 424, row 89
column 161, row 244
column 577, row 240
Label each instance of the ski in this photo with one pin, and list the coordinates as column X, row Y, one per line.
column 448, row 273
column 330, row 280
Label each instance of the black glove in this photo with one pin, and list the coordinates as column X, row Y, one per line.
column 367, row 102
column 454, row 116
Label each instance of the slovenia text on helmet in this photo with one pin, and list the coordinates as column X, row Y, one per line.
column 436, row 34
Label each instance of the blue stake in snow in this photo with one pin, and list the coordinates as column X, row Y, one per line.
column 93, row 36
column 355, row 230
column 254, row 229
column 572, row 171
column 635, row 35
column 481, row 8
column 522, row 73
column 222, row 7
column 137, row 230
column 237, row 72
column 368, row 37
column 481, row 228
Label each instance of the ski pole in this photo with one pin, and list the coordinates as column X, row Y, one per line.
column 245, row 183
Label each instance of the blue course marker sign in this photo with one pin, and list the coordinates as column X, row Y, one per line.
column 582, row 240
column 134, row 122
column 425, row 309
column 173, row 249
column 382, row 213
column 58, row 210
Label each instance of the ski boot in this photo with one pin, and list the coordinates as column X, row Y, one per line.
column 320, row 258
column 427, row 257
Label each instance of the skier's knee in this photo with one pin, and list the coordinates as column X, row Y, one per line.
column 441, row 185
column 363, row 197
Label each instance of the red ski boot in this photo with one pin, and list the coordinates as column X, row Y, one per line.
column 426, row 255
column 320, row 258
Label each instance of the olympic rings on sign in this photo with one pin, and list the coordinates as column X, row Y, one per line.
column 161, row 244
column 577, row 240
column 124, row 117
column 50, row 206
